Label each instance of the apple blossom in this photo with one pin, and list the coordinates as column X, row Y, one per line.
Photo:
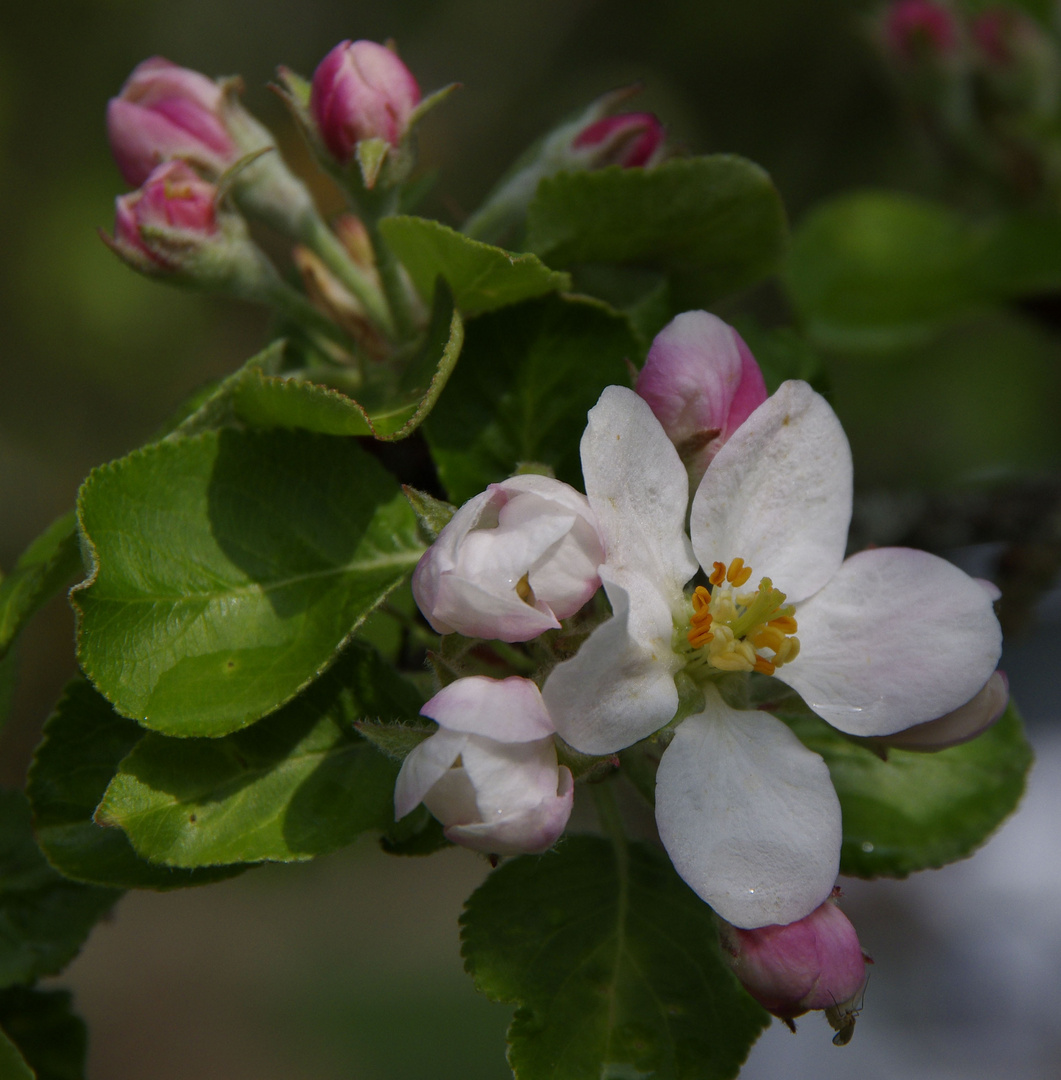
column 512, row 562
column 702, row 382
column 888, row 638
column 916, row 28
column 813, row 963
column 490, row 773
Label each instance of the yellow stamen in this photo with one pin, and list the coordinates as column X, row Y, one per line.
column 738, row 573
column 718, row 574
column 786, row 624
column 764, row 667
column 524, row 590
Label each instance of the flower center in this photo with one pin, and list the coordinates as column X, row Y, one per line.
column 732, row 630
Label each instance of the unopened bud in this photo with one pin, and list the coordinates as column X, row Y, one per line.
column 702, row 383
column 920, row 29
column 814, row 963
column 361, row 91
column 632, row 140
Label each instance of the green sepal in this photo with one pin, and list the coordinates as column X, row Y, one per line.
column 528, row 376
column 50, row 563
column 614, row 965
column 432, row 515
column 395, row 741
column 44, row 917
column 84, row 742
column 41, row 1027
column 914, row 811
column 297, row 784
column 715, row 224
column 418, row 833
column 482, row 277
column 229, row 569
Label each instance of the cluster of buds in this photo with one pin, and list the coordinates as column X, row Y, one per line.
column 985, row 84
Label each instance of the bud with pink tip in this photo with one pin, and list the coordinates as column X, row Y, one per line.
column 490, row 773
column 173, row 213
column 814, row 963
column 360, row 91
column 164, row 112
column 702, row 383
column 512, row 562
column 920, row 28
column 632, row 140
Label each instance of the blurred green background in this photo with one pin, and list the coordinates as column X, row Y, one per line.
column 313, row 961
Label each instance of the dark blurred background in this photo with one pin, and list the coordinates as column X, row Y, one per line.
column 349, row 967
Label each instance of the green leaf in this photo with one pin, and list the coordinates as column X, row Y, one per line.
column 614, row 964
column 48, row 1035
column 528, row 376
column 387, row 410
column 8, row 679
column 51, row 562
column 877, row 269
column 718, row 219
column 298, row 783
column 1021, row 256
column 12, row 1064
column 228, row 570
column 44, row 918
column 915, row 810
column 482, row 277
column 84, row 742
column 396, row 741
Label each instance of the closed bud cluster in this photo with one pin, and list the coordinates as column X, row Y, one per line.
column 919, row 30
column 631, row 140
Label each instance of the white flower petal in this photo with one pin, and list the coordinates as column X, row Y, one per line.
column 896, row 638
column 964, row 723
column 509, row 777
column 638, row 489
column 423, row 767
column 527, row 832
column 778, row 494
column 748, row 816
column 505, row 710
column 460, row 604
column 619, row 686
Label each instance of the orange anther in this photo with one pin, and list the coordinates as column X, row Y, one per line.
column 764, row 667
column 785, row 623
column 768, row 638
column 718, row 574
column 738, row 573
column 701, row 598
column 700, row 633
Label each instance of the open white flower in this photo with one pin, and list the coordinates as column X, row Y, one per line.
column 489, row 774
column 887, row 639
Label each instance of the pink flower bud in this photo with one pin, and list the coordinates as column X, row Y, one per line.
column 702, row 383
column 173, row 200
column 164, row 112
column 490, row 773
column 361, row 90
column 631, row 140
column 512, row 562
column 916, row 28
column 815, row 963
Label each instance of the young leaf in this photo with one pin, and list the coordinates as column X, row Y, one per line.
column 915, row 810
column 50, row 1039
column 614, row 964
column 432, row 515
column 297, row 784
column 482, row 277
column 386, row 411
column 44, row 918
column 877, row 269
column 84, row 742
column 228, row 570
column 717, row 218
column 51, row 562
column 527, row 378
